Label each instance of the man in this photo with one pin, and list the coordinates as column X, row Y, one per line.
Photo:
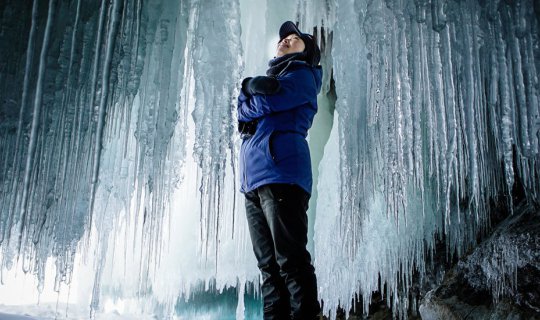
column 275, row 113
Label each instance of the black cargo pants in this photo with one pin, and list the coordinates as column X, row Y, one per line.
column 277, row 220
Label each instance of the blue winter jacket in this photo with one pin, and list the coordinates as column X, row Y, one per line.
column 278, row 151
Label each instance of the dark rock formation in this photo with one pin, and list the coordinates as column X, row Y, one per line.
column 500, row 279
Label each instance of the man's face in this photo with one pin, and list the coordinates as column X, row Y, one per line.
column 290, row 44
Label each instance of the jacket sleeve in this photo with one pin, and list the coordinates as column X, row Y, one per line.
column 297, row 88
column 243, row 100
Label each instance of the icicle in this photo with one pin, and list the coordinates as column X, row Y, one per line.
column 533, row 96
column 421, row 10
column 417, row 103
column 406, row 99
column 33, row 140
column 515, row 49
column 442, row 175
column 469, row 93
column 240, row 308
column 5, row 229
column 506, row 137
column 438, row 14
column 97, row 55
column 451, row 120
column 212, row 114
column 102, row 111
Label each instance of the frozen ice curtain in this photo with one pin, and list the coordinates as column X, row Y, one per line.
column 118, row 143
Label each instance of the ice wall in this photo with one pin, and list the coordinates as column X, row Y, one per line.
column 118, row 147
column 118, row 144
column 438, row 114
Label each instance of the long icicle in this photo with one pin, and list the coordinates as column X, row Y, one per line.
column 29, row 60
column 35, row 123
column 102, row 112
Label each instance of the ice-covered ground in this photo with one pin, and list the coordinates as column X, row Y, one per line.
column 78, row 312
column 5, row 316
column 50, row 311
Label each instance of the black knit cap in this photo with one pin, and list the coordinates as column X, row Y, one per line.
column 313, row 54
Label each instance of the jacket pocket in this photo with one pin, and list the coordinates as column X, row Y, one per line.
column 268, row 146
column 284, row 146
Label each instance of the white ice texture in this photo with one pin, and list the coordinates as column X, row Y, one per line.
column 118, row 150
